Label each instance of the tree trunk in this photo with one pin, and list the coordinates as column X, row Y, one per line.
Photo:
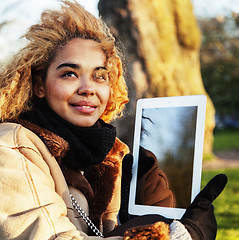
column 162, row 41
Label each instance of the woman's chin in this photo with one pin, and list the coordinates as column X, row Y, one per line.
column 84, row 122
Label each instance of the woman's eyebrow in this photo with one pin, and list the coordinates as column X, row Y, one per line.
column 99, row 68
column 71, row 65
column 76, row 66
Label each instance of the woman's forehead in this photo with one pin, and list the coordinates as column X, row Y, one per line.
column 79, row 53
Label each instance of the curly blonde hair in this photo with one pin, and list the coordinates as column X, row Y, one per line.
column 55, row 29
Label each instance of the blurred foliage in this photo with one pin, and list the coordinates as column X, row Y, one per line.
column 220, row 63
column 226, row 140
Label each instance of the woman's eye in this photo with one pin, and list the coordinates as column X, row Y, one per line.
column 69, row 74
column 100, row 76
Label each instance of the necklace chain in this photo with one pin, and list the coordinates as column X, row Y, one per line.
column 85, row 217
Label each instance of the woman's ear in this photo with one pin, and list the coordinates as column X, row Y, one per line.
column 39, row 88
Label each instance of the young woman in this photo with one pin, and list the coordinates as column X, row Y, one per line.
column 60, row 159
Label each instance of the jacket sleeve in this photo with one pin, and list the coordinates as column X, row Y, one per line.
column 31, row 207
column 110, row 216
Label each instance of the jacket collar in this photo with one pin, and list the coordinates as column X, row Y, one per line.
column 98, row 182
column 55, row 144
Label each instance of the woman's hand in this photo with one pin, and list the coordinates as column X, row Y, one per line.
column 199, row 218
column 127, row 163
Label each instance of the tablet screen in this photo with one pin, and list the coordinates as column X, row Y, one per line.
column 167, row 155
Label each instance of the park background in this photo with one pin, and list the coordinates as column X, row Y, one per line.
column 173, row 47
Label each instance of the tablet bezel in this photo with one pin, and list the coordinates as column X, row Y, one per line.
column 180, row 101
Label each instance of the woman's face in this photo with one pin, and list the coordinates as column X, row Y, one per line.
column 77, row 85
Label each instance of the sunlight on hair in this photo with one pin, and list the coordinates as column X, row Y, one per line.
column 56, row 28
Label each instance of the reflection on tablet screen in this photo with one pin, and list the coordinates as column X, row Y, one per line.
column 168, row 136
column 168, row 148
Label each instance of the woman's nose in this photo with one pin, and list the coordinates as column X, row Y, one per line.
column 86, row 87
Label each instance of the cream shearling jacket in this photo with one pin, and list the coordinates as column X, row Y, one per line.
column 35, row 202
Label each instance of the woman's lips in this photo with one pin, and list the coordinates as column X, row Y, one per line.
column 84, row 107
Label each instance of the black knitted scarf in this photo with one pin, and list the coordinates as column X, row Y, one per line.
column 88, row 145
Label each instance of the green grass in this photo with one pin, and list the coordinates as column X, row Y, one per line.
column 226, row 139
column 227, row 204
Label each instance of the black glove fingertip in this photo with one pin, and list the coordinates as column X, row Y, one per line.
column 127, row 168
column 127, row 161
column 215, row 186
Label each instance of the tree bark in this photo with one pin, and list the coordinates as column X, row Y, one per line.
column 162, row 42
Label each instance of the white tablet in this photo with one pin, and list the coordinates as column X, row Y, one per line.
column 171, row 131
